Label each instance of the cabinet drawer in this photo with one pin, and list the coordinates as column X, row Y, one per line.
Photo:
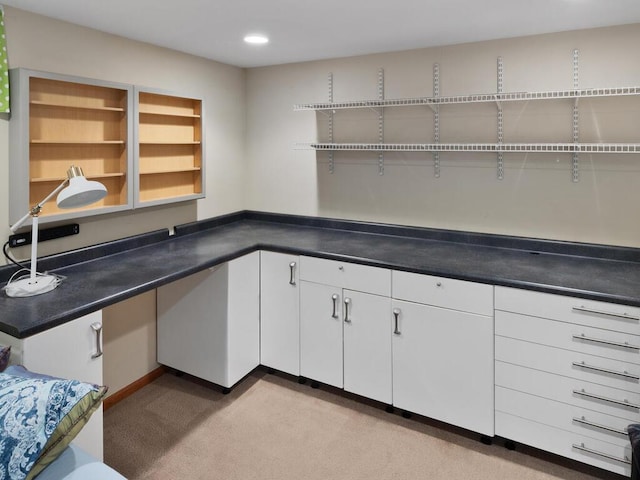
column 608, row 456
column 361, row 278
column 443, row 292
column 604, row 371
column 605, row 315
column 588, row 423
column 578, row 338
column 592, row 396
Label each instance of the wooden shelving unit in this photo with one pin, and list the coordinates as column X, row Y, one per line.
column 59, row 121
column 146, row 146
column 170, row 148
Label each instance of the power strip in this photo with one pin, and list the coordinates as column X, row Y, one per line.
column 44, row 234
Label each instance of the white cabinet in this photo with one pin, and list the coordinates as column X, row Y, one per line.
column 442, row 355
column 72, row 350
column 344, row 326
column 209, row 322
column 280, row 312
column 567, row 375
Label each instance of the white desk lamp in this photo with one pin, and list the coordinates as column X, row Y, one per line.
column 79, row 192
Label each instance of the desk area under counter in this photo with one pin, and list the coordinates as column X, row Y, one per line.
column 102, row 276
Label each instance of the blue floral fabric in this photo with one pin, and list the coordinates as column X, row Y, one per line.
column 30, row 411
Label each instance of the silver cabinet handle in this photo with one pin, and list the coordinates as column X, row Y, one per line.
column 600, row 454
column 334, row 297
column 396, row 317
column 584, row 421
column 97, row 328
column 582, row 336
column 292, row 276
column 606, row 370
column 347, row 302
column 626, row 316
column 622, row 403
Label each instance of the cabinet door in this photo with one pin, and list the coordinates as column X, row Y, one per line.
column 192, row 326
column 208, row 323
column 280, row 312
column 367, row 345
column 68, row 351
column 443, row 365
column 321, row 333
column 243, row 317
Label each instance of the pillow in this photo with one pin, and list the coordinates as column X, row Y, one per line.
column 5, row 353
column 39, row 416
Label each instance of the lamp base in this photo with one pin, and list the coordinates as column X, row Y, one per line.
column 24, row 287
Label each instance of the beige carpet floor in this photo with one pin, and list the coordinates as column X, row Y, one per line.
column 270, row 427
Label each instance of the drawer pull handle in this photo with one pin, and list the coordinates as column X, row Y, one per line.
column 334, row 298
column 600, row 454
column 606, row 370
column 626, row 316
column 396, row 316
column 347, row 302
column 292, row 275
column 584, row 421
column 97, row 328
column 622, row 403
column 582, row 336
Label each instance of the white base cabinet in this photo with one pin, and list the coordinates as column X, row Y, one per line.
column 344, row 326
column 72, row 350
column 209, row 322
column 280, row 312
column 442, row 357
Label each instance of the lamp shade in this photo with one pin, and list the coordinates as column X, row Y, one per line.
column 80, row 192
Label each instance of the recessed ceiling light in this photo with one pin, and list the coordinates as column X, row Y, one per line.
column 256, row 39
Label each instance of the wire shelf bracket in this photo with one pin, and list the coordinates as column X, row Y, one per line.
column 500, row 119
column 436, row 119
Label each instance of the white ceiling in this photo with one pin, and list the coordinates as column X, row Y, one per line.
column 301, row 30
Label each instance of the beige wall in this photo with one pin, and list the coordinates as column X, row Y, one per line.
column 536, row 198
column 129, row 340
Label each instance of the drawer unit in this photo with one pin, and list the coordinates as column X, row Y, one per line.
column 604, row 455
column 603, row 371
column 443, row 292
column 577, row 338
column 361, row 278
column 592, row 396
column 567, row 375
column 603, row 315
column 581, row 421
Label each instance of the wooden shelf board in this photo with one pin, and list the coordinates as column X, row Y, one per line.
column 162, row 114
column 176, row 170
column 195, row 142
column 89, row 177
column 77, row 107
column 77, row 142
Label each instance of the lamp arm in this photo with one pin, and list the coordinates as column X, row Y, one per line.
column 35, row 211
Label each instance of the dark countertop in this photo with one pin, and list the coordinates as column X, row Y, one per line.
column 100, row 276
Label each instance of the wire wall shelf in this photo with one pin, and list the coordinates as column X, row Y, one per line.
column 475, row 98
column 574, row 147
column 476, row 147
